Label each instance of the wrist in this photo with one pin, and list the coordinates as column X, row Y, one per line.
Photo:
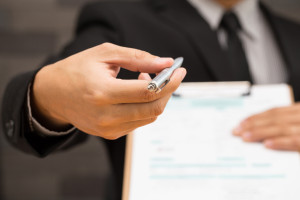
column 42, row 101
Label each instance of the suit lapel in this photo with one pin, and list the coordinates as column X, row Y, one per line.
column 185, row 18
column 287, row 36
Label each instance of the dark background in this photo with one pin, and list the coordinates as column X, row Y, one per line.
column 29, row 31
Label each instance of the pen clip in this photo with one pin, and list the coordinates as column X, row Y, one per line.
column 162, row 86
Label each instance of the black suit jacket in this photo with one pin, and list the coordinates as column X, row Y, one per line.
column 169, row 28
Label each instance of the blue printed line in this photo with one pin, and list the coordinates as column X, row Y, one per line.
column 234, row 177
column 199, row 166
column 183, row 177
column 271, row 176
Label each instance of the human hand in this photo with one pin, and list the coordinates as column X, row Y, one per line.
column 278, row 128
column 83, row 90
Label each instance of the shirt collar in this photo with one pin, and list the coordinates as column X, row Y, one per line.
column 247, row 12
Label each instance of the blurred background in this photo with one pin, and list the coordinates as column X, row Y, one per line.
column 30, row 30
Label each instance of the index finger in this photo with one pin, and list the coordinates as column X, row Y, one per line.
column 131, row 59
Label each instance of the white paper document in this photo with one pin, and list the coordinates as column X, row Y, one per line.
column 190, row 152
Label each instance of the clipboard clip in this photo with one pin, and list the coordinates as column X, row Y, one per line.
column 248, row 93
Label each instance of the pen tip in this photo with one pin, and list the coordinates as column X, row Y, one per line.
column 179, row 59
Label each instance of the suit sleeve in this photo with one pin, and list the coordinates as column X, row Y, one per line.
column 95, row 25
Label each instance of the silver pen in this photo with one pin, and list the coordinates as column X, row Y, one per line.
column 163, row 78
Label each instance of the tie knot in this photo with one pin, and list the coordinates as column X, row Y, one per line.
column 230, row 22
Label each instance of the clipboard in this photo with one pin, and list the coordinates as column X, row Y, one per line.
column 208, row 91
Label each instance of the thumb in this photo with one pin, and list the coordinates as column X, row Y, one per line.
column 131, row 59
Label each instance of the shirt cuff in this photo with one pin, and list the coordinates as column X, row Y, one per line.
column 36, row 126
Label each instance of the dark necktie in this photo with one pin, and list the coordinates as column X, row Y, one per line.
column 235, row 51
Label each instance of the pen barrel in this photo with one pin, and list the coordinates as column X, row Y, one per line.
column 162, row 77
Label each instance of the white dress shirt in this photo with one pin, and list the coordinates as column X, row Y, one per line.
column 263, row 55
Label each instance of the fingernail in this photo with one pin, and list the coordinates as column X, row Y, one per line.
column 247, row 136
column 183, row 73
column 162, row 61
column 268, row 143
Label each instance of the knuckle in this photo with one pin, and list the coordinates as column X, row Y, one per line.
column 138, row 54
column 107, row 45
column 249, row 122
column 96, row 96
column 292, row 130
column 157, row 109
column 149, row 121
column 256, row 133
column 153, row 119
column 148, row 96
column 285, row 130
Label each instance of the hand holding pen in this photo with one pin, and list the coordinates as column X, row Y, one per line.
column 83, row 91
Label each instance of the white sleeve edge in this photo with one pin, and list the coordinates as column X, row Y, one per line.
column 36, row 126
